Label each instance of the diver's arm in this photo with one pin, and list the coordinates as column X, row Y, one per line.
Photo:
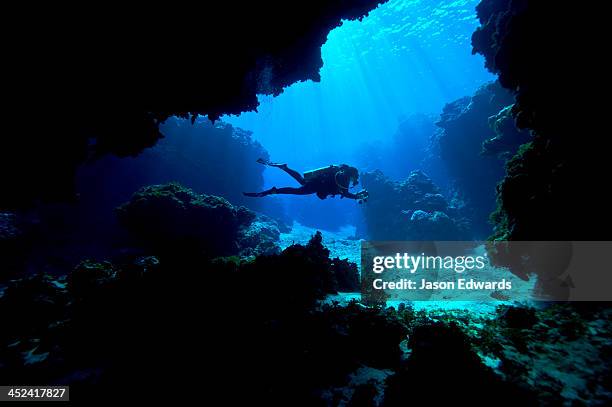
column 348, row 194
column 361, row 196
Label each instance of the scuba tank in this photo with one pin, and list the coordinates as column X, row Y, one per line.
column 309, row 175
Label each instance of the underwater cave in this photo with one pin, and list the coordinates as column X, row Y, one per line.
column 195, row 198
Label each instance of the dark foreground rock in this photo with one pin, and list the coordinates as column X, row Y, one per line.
column 142, row 322
column 525, row 43
column 107, row 98
column 173, row 220
column 137, row 324
column 12, row 245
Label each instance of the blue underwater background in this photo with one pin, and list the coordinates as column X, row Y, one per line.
column 408, row 58
column 130, row 256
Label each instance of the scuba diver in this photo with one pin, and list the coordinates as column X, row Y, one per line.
column 333, row 180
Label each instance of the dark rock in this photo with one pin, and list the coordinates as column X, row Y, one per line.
column 519, row 317
column 442, row 353
column 525, row 43
column 89, row 276
column 172, row 220
column 13, row 249
column 346, row 274
column 113, row 99
column 507, row 137
column 171, row 217
column 465, row 130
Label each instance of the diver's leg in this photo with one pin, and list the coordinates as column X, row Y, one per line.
column 294, row 191
column 260, row 194
column 286, row 190
column 294, row 174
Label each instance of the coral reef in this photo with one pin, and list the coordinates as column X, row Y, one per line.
column 525, row 43
column 12, row 245
column 507, row 137
column 555, row 352
column 137, row 323
column 468, row 126
column 173, row 220
column 128, row 324
column 412, row 209
column 201, row 155
column 170, row 216
column 115, row 91
column 260, row 235
column 258, row 322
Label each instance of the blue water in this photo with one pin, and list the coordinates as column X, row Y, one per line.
column 406, row 57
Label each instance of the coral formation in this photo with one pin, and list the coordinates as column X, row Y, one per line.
column 201, row 155
column 125, row 81
column 140, row 322
column 468, row 126
column 126, row 324
column 12, row 245
column 412, row 209
column 525, row 42
column 171, row 219
column 260, row 235
column 507, row 137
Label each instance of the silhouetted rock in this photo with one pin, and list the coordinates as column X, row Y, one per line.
column 173, row 220
column 115, row 90
column 142, row 322
column 442, row 353
column 12, row 245
column 467, row 126
column 507, row 137
column 526, row 44
column 169, row 216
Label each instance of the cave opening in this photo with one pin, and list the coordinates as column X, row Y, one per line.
column 384, row 83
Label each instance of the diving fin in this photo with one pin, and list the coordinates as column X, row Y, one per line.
column 253, row 194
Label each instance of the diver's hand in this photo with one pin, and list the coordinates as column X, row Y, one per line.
column 362, row 196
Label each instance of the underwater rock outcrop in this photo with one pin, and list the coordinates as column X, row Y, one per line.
column 258, row 236
column 507, row 137
column 12, row 245
column 201, row 155
column 127, row 323
column 173, row 219
column 139, row 322
column 209, row 59
column 257, row 323
column 413, row 209
column 547, row 182
column 467, row 127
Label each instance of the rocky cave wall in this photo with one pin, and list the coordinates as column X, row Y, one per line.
column 541, row 60
column 466, row 127
column 103, row 81
column 201, row 156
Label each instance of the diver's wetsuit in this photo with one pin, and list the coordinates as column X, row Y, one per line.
column 332, row 182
